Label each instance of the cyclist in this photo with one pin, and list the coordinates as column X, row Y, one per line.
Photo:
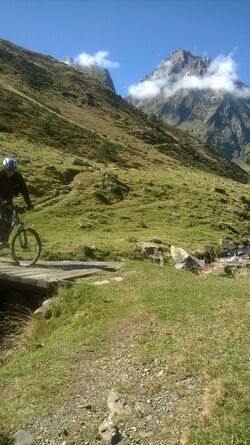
column 11, row 184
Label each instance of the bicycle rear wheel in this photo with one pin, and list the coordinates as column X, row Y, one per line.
column 26, row 247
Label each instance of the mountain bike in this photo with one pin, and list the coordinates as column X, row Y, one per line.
column 26, row 244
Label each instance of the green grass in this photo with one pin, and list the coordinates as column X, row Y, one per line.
column 105, row 177
column 198, row 327
column 180, row 207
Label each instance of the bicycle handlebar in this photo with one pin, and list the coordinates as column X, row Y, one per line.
column 16, row 208
column 20, row 209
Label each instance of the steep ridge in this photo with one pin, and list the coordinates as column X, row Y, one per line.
column 195, row 94
column 100, row 74
column 46, row 100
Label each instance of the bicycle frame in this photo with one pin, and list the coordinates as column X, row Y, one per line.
column 25, row 244
column 14, row 222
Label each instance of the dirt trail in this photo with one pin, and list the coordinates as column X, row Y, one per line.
column 156, row 413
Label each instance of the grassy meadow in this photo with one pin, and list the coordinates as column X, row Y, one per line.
column 175, row 339
column 188, row 333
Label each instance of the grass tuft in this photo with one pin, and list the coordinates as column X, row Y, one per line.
column 18, row 330
column 5, row 440
column 214, row 394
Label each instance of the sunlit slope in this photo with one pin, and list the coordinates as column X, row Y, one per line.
column 102, row 173
column 49, row 102
column 80, row 201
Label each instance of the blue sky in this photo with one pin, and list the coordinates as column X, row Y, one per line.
column 135, row 34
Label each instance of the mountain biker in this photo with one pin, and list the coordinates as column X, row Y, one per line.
column 11, row 184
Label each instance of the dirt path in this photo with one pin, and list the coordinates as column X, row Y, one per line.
column 160, row 405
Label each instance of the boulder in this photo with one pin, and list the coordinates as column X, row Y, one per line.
column 184, row 260
column 109, row 431
column 150, row 251
column 116, row 403
column 178, row 254
column 23, row 437
column 44, row 311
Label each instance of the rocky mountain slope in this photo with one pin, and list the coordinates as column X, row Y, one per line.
column 201, row 96
column 47, row 101
column 100, row 74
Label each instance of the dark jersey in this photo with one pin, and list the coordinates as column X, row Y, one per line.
column 11, row 186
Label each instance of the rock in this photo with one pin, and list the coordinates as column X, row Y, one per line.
column 227, row 244
column 235, row 249
column 186, row 261
column 118, row 279
column 150, row 251
column 192, row 264
column 85, row 225
column 178, row 254
column 44, row 311
column 87, row 251
column 145, row 434
column 142, row 408
column 109, row 432
column 220, row 190
column 22, row 437
column 100, row 283
column 116, row 403
column 234, row 268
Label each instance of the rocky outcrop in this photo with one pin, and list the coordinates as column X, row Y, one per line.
column 96, row 72
column 234, row 260
column 184, row 260
column 219, row 117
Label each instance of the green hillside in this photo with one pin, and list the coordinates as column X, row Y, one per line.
column 48, row 101
column 103, row 176
column 76, row 140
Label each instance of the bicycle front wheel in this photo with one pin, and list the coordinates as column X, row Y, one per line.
column 26, row 247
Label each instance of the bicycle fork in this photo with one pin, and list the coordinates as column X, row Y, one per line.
column 23, row 238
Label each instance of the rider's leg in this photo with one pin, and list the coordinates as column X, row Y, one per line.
column 8, row 215
column 2, row 223
column 5, row 216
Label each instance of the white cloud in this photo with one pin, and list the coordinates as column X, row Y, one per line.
column 220, row 77
column 147, row 89
column 101, row 59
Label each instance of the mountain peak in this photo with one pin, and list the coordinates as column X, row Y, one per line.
column 184, row 62
column 181, row 53
column 185, row 54
column 202, row 96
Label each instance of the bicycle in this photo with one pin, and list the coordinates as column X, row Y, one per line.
column 26, row 243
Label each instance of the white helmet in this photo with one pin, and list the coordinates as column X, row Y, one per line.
column 9, row 164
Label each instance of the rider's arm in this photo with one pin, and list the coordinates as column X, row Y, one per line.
column 24, row 190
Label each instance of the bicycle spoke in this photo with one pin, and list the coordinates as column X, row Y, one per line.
column 26, row 247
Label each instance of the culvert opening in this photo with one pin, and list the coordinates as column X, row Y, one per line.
column 17, row 303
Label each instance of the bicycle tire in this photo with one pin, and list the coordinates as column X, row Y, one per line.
column 24, row 255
